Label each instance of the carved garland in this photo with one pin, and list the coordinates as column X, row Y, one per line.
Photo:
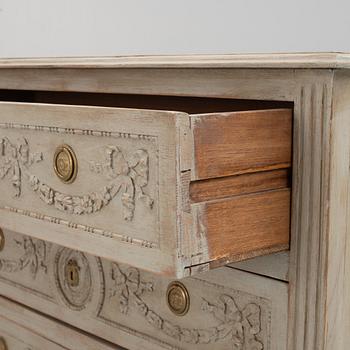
column 240, row 326
column 127, row 175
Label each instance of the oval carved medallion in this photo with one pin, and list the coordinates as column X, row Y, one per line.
column 76, row 293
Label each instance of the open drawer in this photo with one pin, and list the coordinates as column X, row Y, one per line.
column 169, row 192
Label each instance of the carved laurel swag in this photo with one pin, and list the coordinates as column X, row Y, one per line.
column 240, row 327
column 127, row 175
column 34, row 257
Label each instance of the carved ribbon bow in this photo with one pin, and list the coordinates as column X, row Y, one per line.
column 128, row 284
column 241, row 325
column 34, row 257
column 129, row 175
column 14, row 159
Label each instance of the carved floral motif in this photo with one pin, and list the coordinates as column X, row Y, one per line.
column 239, row 326
column 127, row 175
column 34, row 257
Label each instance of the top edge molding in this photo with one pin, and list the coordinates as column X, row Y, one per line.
column 285, row 60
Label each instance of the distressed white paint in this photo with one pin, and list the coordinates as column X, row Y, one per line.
column 318, row 312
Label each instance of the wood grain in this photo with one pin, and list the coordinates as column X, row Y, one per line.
column 205, row 190
column 244, row 226
column 241, row 142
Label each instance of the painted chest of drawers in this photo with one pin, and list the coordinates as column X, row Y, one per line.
column 175, row 202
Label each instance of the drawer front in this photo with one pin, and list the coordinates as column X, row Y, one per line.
column 122, row 203
column 122, row 183
column 221, row 309
column 16, row 337
column 24, row 329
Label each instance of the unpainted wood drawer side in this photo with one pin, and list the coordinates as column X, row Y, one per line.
column 240, row 188
column 241, row 142
column 247, row 226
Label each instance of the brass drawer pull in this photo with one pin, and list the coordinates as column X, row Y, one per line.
column 178, row 298
column 65, row 163
column 2, row 241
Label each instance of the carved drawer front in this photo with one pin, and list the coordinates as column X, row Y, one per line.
column 222, row 309
column 168, row 192
column 24, row 329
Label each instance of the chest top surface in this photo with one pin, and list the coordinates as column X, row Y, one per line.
column 326, row 60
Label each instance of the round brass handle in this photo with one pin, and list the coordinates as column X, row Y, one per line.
column 65, row 163
column 2, row 241
column 3, row 345
column 178, row 298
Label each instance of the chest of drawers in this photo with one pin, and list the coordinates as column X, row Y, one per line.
column 177, row 202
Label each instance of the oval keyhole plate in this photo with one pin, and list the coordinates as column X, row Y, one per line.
column 72, row 273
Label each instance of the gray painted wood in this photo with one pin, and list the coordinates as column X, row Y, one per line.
column 24, row 329
column 128, row 306
column 318, row 289
column 273, row 265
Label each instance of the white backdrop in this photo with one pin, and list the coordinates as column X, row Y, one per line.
column 116, row 27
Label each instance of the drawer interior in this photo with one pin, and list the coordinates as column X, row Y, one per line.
column 188, row 104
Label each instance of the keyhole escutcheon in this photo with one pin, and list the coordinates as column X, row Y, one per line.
column 72, row 273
